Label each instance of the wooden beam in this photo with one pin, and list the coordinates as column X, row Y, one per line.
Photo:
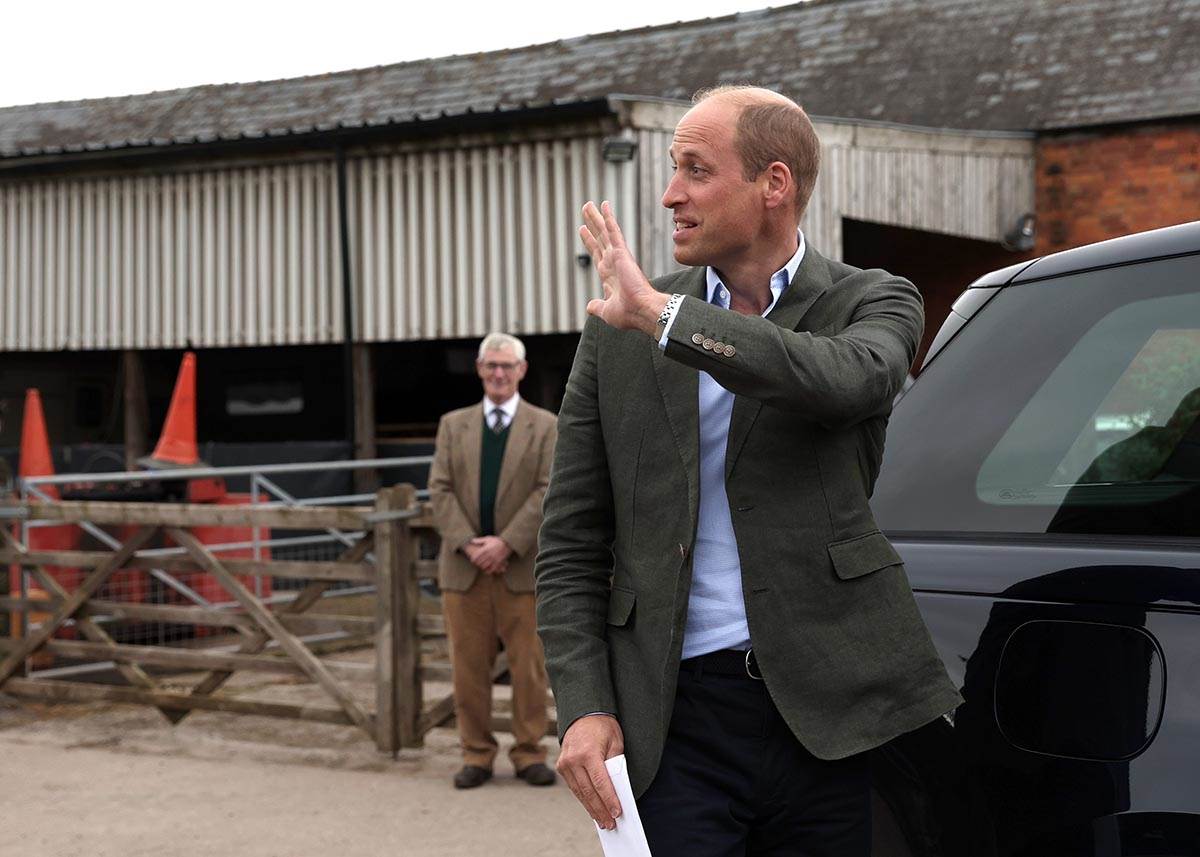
column 201, row 515
column 297, row 624
column 430, row 625
column 64, row 691
column 132, row 673
column 398, row 685
column 365, row 481
column 270, row 623
column 256, row 640
column 76, row 600
column 136, row 408
column 184, row 660
column 292, row 569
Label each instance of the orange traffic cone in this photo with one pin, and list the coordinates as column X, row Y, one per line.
column 177, row 444
column 36, row 461
column 35, row 442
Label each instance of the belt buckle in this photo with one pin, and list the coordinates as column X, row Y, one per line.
column 749, row 670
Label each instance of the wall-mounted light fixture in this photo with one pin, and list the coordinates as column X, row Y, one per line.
column 1019, row 239
column 618, row 149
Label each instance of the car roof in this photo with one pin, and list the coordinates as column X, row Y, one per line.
column 1181, row 240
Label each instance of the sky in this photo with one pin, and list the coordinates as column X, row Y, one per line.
column 70, row 50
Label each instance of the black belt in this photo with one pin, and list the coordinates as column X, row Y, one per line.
column 736, row 663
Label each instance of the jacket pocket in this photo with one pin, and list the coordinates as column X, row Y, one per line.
column 862, row 555
column 620, row 606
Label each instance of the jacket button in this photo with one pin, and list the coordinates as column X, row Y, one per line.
column 697, row 338
column 730, row 351
column 718, row 347
column 707, row 345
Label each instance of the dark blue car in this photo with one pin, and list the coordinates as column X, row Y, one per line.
column 1042, row 482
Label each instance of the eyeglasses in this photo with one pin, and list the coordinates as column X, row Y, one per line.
column 492, row 367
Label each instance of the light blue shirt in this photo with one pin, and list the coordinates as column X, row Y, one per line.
column 716, row 617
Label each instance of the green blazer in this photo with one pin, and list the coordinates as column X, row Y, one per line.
column 836, row 631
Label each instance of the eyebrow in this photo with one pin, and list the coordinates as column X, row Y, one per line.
column 686, row 152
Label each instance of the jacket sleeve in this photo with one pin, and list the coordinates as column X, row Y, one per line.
column 522, row 531
column 448, row 515
column 838, row 380
column 574, row 564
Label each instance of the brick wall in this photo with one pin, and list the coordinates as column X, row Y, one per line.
column 1100, row 184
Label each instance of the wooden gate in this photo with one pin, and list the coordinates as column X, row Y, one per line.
column 381, row 553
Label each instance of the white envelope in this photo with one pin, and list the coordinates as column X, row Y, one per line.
column 628, row 840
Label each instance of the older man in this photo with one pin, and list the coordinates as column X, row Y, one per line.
column 714, row 596
column 489, row 474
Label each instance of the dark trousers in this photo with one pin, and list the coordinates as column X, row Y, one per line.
column 735, row 782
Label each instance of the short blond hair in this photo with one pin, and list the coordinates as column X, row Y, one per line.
column 771, row 127
column 502, row 342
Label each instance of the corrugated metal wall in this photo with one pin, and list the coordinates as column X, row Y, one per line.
column 448, row 241
column 213, row 258
column 445, row 243
column 457, row 243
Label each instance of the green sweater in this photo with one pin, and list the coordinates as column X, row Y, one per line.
column 489, row 476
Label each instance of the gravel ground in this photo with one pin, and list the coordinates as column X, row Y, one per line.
column 107, row 780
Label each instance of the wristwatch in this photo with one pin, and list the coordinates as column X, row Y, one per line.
column 664, row 317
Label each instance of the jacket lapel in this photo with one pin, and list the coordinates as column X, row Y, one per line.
column 520, row 435
column 680, row 389
column 811, row 281
column 471, row 452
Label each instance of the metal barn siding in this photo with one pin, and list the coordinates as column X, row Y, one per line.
column 449, row 239
column 968, row 185
column 458, row 242
column 207, row 258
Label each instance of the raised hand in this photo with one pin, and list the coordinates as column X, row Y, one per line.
column 629, row 302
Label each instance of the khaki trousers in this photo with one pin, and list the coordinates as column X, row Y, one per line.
column 475, row 620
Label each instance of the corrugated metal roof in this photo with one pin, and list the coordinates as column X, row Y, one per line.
column 971, row 64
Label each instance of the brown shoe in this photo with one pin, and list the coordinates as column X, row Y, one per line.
column 471, row 776
column 537, row 774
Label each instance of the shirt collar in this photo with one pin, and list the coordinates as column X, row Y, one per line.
column 719, row 295
column 509, row 407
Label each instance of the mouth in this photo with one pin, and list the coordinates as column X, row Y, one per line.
column 683, row 226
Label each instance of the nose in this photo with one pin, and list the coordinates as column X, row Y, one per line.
column 673, row 195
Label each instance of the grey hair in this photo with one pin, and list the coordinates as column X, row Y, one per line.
column 502, row 342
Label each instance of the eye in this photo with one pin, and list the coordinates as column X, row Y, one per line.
column 695, row 170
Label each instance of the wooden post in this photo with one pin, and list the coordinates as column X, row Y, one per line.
column 136, row 408
column 365, row 481
column 397, row 640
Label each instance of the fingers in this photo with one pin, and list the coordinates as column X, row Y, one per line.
column 591, row 245
column 593, row 220
column 612, row 229
column 586, row 784
column 606, row 795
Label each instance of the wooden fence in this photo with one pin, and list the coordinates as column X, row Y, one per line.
column 383, row 553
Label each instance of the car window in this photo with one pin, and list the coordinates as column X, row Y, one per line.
column 1065, row 406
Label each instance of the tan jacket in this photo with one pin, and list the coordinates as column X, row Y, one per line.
column 454, row 491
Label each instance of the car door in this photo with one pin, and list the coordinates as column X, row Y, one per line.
column 1042, row 482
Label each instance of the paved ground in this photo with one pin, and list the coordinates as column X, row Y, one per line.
column 117, row 781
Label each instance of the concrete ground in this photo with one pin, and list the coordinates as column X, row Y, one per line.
column 107, row 780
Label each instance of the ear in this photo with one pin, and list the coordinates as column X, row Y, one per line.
column 778, row 187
